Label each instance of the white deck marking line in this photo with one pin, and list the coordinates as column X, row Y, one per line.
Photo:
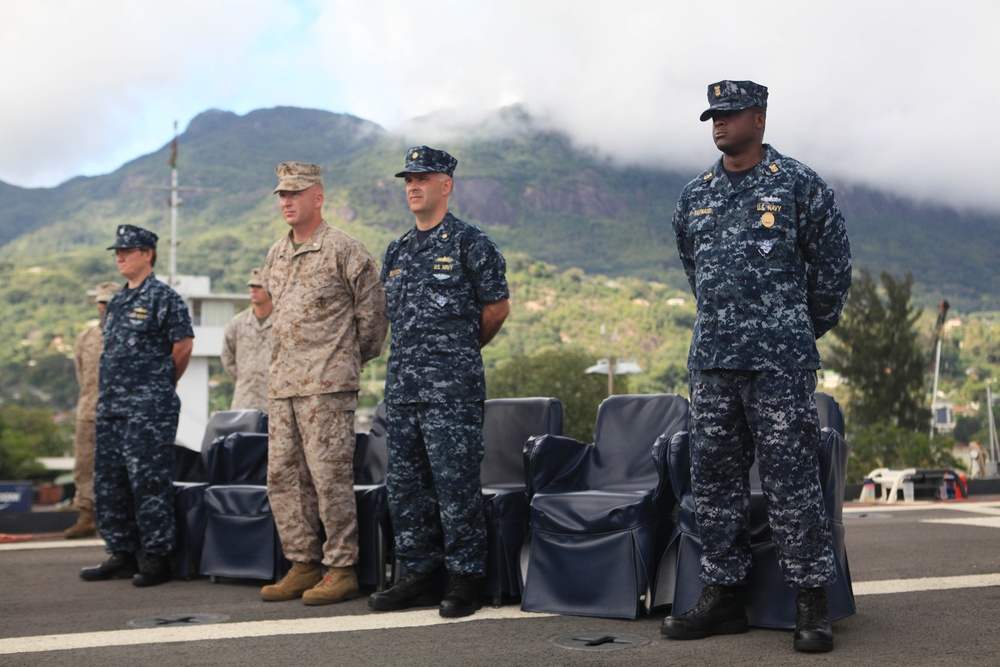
column 383, row 621
column 922, row 505
column 301, row 626
column 889, row 586
column 982, row 521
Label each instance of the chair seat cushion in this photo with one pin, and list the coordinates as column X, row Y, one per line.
column 591, row 512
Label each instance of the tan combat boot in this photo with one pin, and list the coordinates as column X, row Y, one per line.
column 84, row 526
column 299, row 579
column 339, row 584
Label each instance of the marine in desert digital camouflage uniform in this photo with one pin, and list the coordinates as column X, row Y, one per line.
column 246, row 349
column 87, row 360
column 328, row 319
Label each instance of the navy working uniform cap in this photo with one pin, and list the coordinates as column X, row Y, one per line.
column 734, row 96
column 424, row 159
column 130, row 236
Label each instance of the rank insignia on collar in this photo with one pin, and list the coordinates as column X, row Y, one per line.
column 765, row 248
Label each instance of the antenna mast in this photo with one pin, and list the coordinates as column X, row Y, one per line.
column 175, row 202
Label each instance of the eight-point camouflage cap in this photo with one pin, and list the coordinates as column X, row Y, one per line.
column 130, row 236
column 733, row 96
column 255, row 280
column 424, row 159
column 107, row 290
column 297, row 176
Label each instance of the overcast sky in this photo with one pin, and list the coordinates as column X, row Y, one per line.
column 891, row 93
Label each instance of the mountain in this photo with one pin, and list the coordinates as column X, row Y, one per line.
column 591, row 258
column 529, row 187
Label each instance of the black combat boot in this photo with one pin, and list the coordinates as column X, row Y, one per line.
column 119, row 565
column 719, row 611
column 153, row 570
column 414, row 589
column 463, row 597
column 813, row 631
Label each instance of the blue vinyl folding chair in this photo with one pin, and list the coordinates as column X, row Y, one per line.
column 770, row 601
column 190, row 477
column 508, row 423
column 600, row 513
column 372, row 501
column 241, row 540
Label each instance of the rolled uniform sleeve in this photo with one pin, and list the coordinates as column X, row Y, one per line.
column 369, row 308
column 228, row 354
column 488, row 270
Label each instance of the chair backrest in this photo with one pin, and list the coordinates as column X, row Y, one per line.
column 626, row 428
column 507, row 425
column 830, row 414
column 370, row 454
column 224, row 422
column 239, row 458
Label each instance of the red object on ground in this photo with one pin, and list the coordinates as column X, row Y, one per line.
column 5, row 538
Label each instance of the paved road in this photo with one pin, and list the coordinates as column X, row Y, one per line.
column 926, row 576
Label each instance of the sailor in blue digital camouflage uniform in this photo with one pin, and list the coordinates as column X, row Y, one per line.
column 147, row 345
column 446, row 297
column 766, row 253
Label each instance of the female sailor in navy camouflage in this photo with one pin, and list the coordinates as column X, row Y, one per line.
column 137, row 414
column 137, row 369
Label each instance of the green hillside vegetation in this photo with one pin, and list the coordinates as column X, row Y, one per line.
column 588, row 242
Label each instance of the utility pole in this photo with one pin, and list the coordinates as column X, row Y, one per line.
column 991, row 466
column 612, row 365
column 938, row 329
column 175, row 202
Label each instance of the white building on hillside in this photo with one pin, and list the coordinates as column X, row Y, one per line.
column 209, row 313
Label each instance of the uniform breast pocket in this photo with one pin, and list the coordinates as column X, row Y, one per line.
column 444, row 290
column 320, row 297
column 702, row 230
column 773, row 247
column 393, row 295
column 138, row 327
